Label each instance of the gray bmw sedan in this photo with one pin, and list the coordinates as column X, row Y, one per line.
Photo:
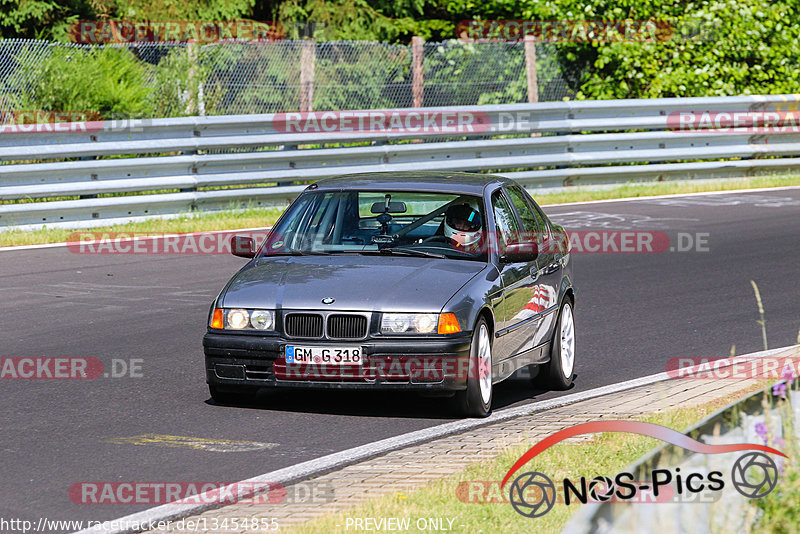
column 445, row 283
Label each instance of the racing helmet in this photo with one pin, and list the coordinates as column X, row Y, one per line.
column 462, row 225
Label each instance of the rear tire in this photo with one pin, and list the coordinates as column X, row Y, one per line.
column 557, row 373
column 476, row 400
column 237, row 395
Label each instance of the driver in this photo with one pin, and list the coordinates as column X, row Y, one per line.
column 462, row 226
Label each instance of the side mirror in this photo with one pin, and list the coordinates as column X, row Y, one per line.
column 242, row 246
column 520, row 253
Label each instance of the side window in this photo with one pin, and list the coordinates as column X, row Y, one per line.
column 507, row 228
column 530, row 225
column 540, row 218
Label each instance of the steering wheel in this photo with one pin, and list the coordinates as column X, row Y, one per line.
column 436, row 239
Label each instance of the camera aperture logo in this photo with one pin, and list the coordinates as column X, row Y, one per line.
column 532, row 494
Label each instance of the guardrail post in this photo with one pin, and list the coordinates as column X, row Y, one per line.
column 93, row 177
column 291, row 164
column 417, row 89
column 308, row 53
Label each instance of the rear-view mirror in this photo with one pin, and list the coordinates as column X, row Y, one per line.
column 394, row 207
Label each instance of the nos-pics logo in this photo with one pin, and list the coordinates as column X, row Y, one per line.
column 533, row 494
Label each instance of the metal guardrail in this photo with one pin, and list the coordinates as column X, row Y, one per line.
column 254, row 153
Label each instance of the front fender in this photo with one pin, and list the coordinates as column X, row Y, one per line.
column 474, row 297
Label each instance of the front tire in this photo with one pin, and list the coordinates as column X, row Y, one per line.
column 476, row 400
column 557, row 373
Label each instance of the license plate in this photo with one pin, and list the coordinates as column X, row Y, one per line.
column 320, row 355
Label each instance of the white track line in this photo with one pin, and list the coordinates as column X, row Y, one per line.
column 338, row 460
column 627, row 199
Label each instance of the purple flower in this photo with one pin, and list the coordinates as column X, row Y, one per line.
column 779, row 390
column 761, row 430
column 788, row 373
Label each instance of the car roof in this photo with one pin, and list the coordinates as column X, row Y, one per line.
column 440, row 182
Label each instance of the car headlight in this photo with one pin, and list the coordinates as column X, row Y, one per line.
column 409, row 323
column 241, row 319
column 261, row 320
column 238, row 319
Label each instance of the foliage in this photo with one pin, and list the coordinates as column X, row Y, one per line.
column 780, row 510
column 40, row 18
column 503, row 75
column 111, row 81
column 175, row 10
column 251, row 78
column 182, row 84
column 330, row 20
column 732, row 47
column 362, row 75
column 107, row 80
column 50, row 19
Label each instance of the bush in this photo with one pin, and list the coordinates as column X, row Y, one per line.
column 182, row 84
column 109, row 81
column 740, row 47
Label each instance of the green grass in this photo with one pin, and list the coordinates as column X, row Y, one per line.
column 606, row 454
column 259, row 217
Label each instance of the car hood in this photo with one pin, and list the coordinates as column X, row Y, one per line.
column 357, row 283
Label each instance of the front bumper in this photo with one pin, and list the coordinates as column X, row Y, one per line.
column 389, row 363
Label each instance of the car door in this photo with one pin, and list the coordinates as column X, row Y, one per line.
column 547, row 276
column 516, row 322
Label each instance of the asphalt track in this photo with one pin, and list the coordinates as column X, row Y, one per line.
column 634, row 311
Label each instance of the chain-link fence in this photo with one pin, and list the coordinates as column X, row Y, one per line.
column 265, row 77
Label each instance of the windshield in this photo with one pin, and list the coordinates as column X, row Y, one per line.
column 381, row 222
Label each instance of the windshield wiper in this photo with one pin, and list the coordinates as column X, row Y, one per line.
column 411, row 252
column 414, row 252
column 389, row 251
column 300, row 253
